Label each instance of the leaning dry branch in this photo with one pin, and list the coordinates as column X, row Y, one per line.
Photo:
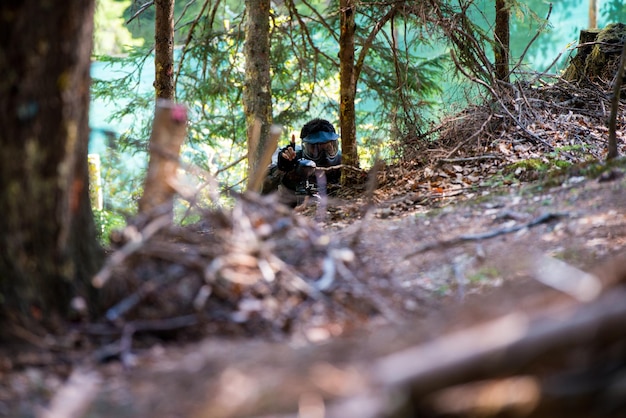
column 134, row 241
column 539, row 31
column 617, row 88
column 546, row 217
column 168, row 134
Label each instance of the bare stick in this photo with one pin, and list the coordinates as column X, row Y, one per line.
column 539, row 32
column 617, row 87
column 231, row 165
column 189, row 37
column 468, row 159
column 142, row 9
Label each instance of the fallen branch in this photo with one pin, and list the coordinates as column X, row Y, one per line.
column 502, row 347
column 546, row 217
column 468, row 159
column 340, row 166
column 121, row 308
column 136, row 240
column 122, row 348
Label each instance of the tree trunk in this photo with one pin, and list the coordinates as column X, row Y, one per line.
column 164, row 49
column 347, row 84
column 257, row 93
column 168, row 128
column 47, row 233
column 593, row 14
column 501, row 41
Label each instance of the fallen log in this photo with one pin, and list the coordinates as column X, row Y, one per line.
column 568, row 363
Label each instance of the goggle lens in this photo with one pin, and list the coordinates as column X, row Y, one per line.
column 315, row 150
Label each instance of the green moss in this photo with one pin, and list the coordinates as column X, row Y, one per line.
column 530, row 164
column 483, row 274
column 603, row 56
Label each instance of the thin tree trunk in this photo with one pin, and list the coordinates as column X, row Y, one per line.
column 257, row 93
column 501, row 41
column 593, row 14
column 164, row 49
column 168, row 128
column 347, row 84
column 47, row 233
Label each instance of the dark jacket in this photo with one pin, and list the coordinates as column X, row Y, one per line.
column 291, row 179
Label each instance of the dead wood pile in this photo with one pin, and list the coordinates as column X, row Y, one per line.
column 257, row 269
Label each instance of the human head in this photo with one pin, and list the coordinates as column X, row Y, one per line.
column 319, row 142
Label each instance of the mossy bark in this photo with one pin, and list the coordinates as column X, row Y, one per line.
column 257, row 93
column 347, row 84
column 598, row 54
column 47, row 233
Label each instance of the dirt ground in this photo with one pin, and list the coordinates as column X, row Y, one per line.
column 440, row 246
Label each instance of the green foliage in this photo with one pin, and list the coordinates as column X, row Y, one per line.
column 304, row 73
column 106, row 222
column 122, row 183
column 111, row 36
column 405, row 78
column 612, row 11
column 141, row 19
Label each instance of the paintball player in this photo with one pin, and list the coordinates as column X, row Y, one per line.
column 294, row 175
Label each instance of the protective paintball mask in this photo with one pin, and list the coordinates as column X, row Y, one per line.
column 321, row 147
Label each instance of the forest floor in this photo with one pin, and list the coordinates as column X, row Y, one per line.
column 455, row 237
